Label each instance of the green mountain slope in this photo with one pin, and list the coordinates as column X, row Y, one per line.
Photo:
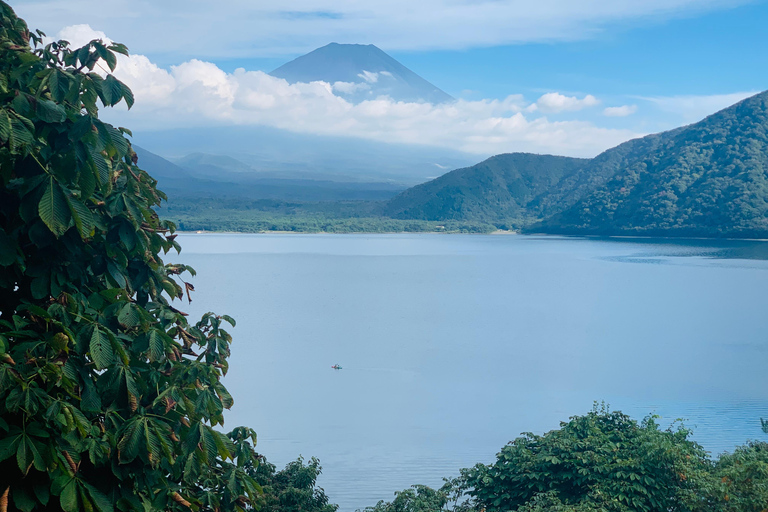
column 495, row 189
column 707, row 179
column 517, row 187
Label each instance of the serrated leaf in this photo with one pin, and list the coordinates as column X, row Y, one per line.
column 68, row 497
column 21, row 135
column 128, row 97
column 82, row 216
column 91, row 401
column 118, row 140
column 101, row 349
column 107, row 55
column 156, row 346
column 112, row 90
column 116, row 274
column 129, row 316
column 5, row 126
column 103, row 167
column 50, row 112
column 53, row 208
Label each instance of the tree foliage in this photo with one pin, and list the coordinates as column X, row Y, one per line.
column 109, row 395
column 708, row 179
column 292, row 489
column 603, row 460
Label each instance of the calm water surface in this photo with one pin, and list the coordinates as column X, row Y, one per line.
column 452, row 345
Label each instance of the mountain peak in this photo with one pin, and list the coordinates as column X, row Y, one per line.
column 360, row 72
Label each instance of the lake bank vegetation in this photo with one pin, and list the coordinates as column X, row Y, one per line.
column 602, row 461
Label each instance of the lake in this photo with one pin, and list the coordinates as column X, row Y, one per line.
column 452, row 345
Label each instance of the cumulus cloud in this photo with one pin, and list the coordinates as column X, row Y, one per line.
column 199, row 93
column 622, row 111
column 554, row 102
column 692, row 108
column 244, row 28
column 350, row 87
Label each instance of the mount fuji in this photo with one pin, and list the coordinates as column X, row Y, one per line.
column 360, row 72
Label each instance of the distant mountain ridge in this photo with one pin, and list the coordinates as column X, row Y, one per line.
column 707, row 179
column 516, row 187
column 361, row 72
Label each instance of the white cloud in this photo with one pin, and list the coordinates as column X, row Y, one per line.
column 622, row 111
column 693, row 108
column 245, row 28
column 198, row 93
column 78, row 35
column 554, row 102
column 369, row 77
column 350, row 87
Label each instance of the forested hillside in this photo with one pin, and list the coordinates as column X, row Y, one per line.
column 495, row 189
column 707, row 179
column 517, row 188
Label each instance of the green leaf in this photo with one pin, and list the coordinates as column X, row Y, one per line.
column 100, row 500
column 23, row 500
column 105, row 54
column 50, row 112
column 21, row 134
column 128, row 97
column 8, row 446
column 116, row 274
column 129, row 316
column 53, row 208
column 103, row 167
column 82, row 216
column 156, row 345
column 5, row 126
column 112, row 88
column 40, row 287
column 101, row 349
column 68, row 497
column 8, row 249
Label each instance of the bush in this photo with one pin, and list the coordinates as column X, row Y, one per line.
column 602, row 460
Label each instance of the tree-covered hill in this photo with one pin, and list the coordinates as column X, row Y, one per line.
column 707, row 179
column 498, row 188
column 517, row 187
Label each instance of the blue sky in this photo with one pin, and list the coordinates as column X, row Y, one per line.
column 715, row 52
column 619, row 68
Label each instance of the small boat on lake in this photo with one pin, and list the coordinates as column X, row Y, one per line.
column 336, row 367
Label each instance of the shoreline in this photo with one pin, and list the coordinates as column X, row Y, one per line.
column 267, row 232
column 498, row 232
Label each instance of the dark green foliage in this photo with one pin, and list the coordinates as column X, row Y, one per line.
column 501, row 187
column 108, row 394
column 741, row 479
column 602, row 460
column 514, row 190
column 232, row 214
column 450, row 497
column 292, row 489
column 708, row 179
